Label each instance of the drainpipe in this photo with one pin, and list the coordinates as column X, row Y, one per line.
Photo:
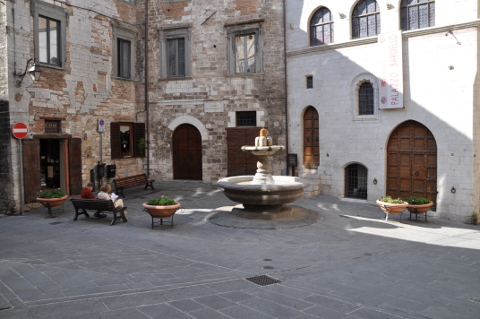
column 146, row 91
column 285, row 80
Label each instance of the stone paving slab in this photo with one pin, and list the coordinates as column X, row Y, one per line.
column 350, row 264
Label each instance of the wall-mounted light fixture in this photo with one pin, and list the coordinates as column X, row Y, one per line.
column 342, row 15
column 34, row 72
column 375, row 181
column 453, row 190
column 390, row 6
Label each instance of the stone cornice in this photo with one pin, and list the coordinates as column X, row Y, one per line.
column 405, row 34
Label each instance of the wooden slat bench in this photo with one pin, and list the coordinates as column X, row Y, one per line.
column 81, row 205
column 131, row 181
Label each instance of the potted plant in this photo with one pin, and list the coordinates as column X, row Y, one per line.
column 164, row 207
column 418, row 205
column 142, row 143
column 51, row 199
column 391, row 205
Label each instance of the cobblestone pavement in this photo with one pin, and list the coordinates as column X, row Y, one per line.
column 350, row 264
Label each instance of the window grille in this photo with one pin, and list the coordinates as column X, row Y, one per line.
column 366, row 19
column 356, row 181
column 366, row 99
column 417, row 14
column 321, row 27
column 247, row 118
column 53, row 126
column 310, row 82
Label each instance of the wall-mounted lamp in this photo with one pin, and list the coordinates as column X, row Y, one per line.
column 390, row 6
column 34, row 72
column 375, row 181
column 342, row 15
column 453, row 190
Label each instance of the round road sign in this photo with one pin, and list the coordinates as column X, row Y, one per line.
column 19, row 130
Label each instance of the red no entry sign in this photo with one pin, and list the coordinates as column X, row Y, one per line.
column 19, row 130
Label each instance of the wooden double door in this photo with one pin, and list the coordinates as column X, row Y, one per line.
column 187, row 153
column 412, row 162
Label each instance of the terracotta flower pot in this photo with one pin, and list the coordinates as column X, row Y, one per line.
column 51, row 202
column 391, row 208
column 419, row 209
column 161, row 211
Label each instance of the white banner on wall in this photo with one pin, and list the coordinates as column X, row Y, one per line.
column 391, row 82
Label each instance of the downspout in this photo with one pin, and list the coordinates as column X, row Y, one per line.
column 146, row 91
column 285, row 81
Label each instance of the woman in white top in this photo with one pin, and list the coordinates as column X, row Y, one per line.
column 103, row 194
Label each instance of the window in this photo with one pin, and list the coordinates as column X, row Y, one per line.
column 124, row 53
column 49, row 27
column 366, row 19
column 366, row 99
column 321, row 27
column 247, row 118
column 356, row 181
column 124, row 58
column 309, row 79
column 417, row 14
column 124, row 139
column 311, row 142
column 244, row 53
column 175, row 53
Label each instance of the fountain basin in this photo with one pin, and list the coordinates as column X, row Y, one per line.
column 262, row 197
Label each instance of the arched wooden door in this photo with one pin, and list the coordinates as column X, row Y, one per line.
column 311, row 145
column 412, row 162
column 187, row 153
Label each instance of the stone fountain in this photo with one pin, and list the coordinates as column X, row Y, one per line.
column 263, row 196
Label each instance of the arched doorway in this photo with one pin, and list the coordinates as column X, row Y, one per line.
column 311, row 144
column 187, row 153
column 412, row 162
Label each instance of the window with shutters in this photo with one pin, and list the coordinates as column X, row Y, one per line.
column 49, row 29
column 175, row 53
column 124, row 53
column 124, row 139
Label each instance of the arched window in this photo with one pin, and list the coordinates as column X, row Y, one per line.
column 366, row 99
column 356, row 181
column 417, row 14
column 321, row 27
column 311, row 144
column 366, row 19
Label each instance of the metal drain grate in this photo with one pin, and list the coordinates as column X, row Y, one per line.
column 263, row 280
column 56, row 223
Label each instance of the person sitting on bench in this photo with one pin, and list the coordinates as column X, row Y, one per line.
column 104, row 189
column 87, row 194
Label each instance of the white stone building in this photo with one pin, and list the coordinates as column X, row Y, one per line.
column 342, row 85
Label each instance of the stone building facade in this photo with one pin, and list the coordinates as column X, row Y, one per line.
column 216, row 76
column 214, row 73
column 87, row 53
column 387, row 103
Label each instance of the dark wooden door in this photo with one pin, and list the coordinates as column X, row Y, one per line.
column 311, row 144
column 240, row 162
column 31, row 169
column 75, row 165
column 187, row 153
column 412, row 162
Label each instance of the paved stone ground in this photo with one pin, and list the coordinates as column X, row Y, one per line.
column 350, row 264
